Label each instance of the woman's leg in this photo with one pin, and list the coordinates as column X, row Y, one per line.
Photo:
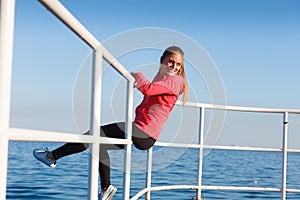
column 141, row 140
column 68, row 149
column 115, row 130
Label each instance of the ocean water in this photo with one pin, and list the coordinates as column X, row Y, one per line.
column 28, row 179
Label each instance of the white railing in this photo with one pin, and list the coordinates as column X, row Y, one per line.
column 12, row 134
column 202, row 107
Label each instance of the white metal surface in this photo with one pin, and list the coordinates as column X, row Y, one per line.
column 7, row 13
column 206, row 146
column 128, row 147
column 240, row 108
column 207, row 187
column 94, row 124
column 200, row 187
column 200, row 154
column 15, row 134
column 149, row 172
column 284, row 155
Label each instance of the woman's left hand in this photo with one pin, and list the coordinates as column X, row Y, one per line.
column 133, row 74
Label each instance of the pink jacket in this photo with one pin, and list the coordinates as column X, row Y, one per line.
column 159, row 99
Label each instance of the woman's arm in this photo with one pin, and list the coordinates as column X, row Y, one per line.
column 171, row 85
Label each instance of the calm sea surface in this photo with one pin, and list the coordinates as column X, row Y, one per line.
column 28, row 179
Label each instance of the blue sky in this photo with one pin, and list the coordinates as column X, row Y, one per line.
column 254, row 44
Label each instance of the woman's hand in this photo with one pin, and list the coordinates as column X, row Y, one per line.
column 133, row 74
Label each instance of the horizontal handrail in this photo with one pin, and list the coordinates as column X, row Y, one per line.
column 221, row 147
column 208, row 187
column 69, row 20
column 224, row 147
column 15, row 134
column 200, row 146
column 239, row 108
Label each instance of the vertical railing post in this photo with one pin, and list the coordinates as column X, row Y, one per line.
column 200, row 154
column 128, row 127
column 149, row 172
column 284, row 155
column 7, row 17
column 94, row 124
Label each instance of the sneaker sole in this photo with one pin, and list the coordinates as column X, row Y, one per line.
column 111, row 194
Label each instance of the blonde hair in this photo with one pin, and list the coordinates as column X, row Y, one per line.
column 174, row 49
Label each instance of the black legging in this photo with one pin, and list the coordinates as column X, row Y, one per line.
column 116, row 130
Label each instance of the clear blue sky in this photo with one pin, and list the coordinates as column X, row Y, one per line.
column 254, row 44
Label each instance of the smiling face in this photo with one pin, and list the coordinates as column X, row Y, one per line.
column 171, row 64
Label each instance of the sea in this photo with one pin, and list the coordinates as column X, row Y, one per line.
column 29, row 179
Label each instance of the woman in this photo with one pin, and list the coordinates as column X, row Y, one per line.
column 160, row 97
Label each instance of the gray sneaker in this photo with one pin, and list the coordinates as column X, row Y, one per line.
column 108, row 193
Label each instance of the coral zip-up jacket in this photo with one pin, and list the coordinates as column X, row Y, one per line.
column 159, row 99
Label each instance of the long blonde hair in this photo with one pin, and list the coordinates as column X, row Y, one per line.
column 174, row 49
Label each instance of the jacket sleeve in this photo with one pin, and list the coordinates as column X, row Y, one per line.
column 171, row 85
